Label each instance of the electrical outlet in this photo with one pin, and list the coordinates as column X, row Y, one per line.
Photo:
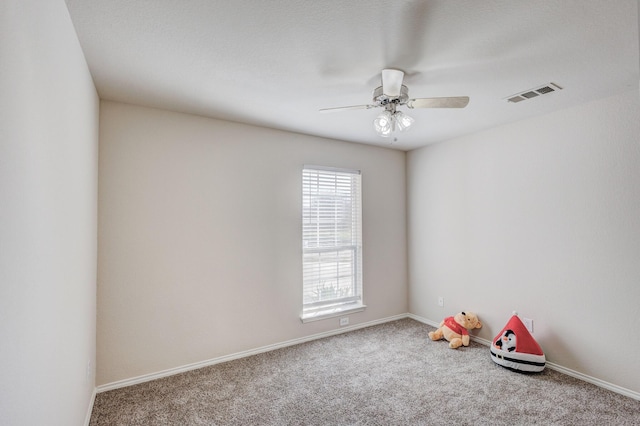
column 528, row 322
column 344, row 321
column 441, row 301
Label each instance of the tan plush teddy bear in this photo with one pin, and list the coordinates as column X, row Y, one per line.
column 455, row 329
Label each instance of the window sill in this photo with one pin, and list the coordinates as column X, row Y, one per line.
column 332, row 313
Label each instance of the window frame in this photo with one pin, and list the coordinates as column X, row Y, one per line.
column 317, row 236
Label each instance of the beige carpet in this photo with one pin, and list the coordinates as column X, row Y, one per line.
column 390, row 374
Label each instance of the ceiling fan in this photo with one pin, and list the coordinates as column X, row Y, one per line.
column 393, row 94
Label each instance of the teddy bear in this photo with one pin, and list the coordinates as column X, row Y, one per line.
column 456, row 329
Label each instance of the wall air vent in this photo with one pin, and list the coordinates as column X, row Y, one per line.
column 533, row 93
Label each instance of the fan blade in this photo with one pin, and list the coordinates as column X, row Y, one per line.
column 345, row 108
column 392, row 82
column 452, row 102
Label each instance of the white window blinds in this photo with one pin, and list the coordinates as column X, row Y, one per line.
column 331, row 241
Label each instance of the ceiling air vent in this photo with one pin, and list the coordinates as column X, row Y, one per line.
column 516, row 99
column 530, row 94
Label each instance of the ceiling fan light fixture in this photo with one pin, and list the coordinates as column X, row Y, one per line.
column 402, row 121
column 388, row 122
column 383, row 124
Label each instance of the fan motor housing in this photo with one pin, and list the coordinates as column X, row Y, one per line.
column 380, row 99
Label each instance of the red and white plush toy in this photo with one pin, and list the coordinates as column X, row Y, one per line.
column 516, row 349
column 456, row 329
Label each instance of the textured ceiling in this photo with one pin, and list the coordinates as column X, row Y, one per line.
column 276, row 63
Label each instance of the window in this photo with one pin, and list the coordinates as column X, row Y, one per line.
column 331, row 242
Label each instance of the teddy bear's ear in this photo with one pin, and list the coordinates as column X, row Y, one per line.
column 479, row 325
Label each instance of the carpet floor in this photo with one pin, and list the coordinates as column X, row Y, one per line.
column 389, row 374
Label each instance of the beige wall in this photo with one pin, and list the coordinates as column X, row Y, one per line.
column 200, row 237
column 48, row 217
column 543, row 217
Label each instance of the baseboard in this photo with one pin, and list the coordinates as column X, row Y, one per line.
column 87, row 418
column 595, row 381
column 569, row 372
column 194, row 366
column 424, row 320
column 172, row 371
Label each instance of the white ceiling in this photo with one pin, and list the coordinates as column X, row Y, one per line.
column 276, row 63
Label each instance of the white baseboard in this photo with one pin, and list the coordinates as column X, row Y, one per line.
column 553, row 366
column 177, row 370
column 87, row 417
column 424, row 320
column 595, row 381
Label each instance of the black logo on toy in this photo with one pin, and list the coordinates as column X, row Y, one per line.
column 507, row 342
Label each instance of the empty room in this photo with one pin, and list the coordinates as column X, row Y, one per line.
column 270, row 212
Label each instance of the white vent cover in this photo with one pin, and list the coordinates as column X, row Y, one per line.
column 530, row 94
